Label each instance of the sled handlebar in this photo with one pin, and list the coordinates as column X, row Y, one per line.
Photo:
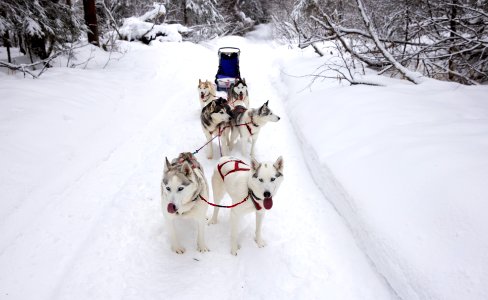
column 233, row 50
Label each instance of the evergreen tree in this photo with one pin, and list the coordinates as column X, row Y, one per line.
column 38, row 27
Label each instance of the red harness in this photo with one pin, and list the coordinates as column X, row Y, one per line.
column 239, row 109
column 237, row 168
column 193, row 162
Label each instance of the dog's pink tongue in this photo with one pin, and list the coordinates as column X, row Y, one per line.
column 241, row 96
column 268, row 203
column 171, row 208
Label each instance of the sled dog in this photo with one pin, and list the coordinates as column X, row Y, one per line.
column 238, row 93
column 181, row 188
column 206, row 92
column 254, row 186
column 215, row 120
column 247, row 123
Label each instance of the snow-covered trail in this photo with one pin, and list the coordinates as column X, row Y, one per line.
column 92, row 227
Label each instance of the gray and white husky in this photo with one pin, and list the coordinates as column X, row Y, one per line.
column 254, row 186
column 215, row 120
column 238, row 93
column 182, row 187
column 247, row 123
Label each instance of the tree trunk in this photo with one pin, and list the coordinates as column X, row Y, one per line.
column 38, row 46
column 6, row 39
column 452, row 27
column 6, row 43
column 91, row 21
column 185, row 14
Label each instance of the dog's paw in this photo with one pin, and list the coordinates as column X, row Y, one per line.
column 234, row 249
column 203, row 249
column 261, row 243
column 212, row 221
column 178, row 249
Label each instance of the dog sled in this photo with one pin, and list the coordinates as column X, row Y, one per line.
column 228, row 68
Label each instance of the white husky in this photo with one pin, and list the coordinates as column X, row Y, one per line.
column 182, row 187
column 254, row 186
column 247, row 123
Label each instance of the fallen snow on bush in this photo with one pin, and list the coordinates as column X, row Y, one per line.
column 134, row 29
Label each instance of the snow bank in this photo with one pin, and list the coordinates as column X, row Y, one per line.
column 407, row 167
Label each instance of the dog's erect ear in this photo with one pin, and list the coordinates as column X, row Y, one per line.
column 255, row 164
column 279, row 164
column 244, row 81
column 199, row 81
column 167, row 165
column 260, row 111
column 186, row 169
column 212, row 105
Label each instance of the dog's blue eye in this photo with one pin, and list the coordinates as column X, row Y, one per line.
column 168, row 189
column 273, row 179
column 261, row 179
column 180, row 189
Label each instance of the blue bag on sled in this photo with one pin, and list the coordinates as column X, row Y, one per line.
column 228, row 68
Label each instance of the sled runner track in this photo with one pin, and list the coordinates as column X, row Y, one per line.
column 335, row 194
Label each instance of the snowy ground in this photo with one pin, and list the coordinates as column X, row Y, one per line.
column 384, row 194
column 81, row 152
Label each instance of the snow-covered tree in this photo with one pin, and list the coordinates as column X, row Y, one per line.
column 199, row 12
column 438, row 38
column 38, row 27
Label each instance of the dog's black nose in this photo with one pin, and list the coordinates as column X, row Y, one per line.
column 279, row 118
column 267, row 194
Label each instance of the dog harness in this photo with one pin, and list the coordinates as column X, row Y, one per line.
column 237, row 162
column 239, row 109
column 237, row 167
column 249, row 127
column 192, row 161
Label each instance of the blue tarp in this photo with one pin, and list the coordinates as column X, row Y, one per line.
column 228, row 65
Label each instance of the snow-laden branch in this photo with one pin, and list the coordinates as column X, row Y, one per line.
column 344, row 42
column 158, row 10
column 411, row 76
column 26, row 68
